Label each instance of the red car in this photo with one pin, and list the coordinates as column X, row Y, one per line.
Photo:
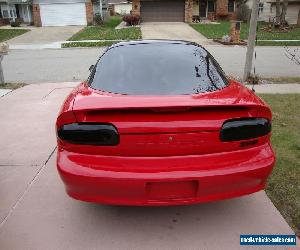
column 158, row 123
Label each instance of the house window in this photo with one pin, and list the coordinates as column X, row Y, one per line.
column 8, row 11
column 211, row 6
column 230, row 5
column 5, row 13
column 260, row 7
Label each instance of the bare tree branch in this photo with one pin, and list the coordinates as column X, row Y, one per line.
column 293, row 54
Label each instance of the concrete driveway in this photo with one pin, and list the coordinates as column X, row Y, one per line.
column 172, row 31
column 45, row 35
column 35, row 212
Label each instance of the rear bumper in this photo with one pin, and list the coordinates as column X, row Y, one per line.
column 165, row 180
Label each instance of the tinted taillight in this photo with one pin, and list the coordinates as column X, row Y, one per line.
column 244, row 129
column 89, row 134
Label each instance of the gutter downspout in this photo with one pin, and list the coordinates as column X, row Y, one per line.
column 100, row 6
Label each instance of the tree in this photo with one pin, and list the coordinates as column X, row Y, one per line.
column 251, row 40
column 243, row 10
column 298, row 22
column 283, row 12
column 277, row 21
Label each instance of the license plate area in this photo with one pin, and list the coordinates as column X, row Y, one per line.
column 171, row 190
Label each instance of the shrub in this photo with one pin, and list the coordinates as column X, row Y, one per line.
column 243, row 12
column 222, row 16
column 131, row 19
column 98, row 19
column 15, row 23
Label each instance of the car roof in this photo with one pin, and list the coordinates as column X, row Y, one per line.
column 153, row 41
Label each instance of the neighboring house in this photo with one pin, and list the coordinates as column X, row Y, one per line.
column 13, row 9
column 267, row 10
column 291, row 13
column 264, row 7
column 183, row 10
column 120, row 7
column 47, row 12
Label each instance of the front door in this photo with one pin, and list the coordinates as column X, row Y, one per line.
column 203, row 7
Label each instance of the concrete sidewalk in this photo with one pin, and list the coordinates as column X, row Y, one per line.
column 35, row 212
column 286, row 88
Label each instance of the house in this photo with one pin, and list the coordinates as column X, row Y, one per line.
column 267, row 10
column 62, row 12
column 47, row 12
column 183, row 10
column 264, row 9
column 121, row 7
column 16, row 9
column 291, row 13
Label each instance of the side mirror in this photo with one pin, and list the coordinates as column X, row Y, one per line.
column 91, row 68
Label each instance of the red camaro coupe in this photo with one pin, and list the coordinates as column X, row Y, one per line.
column 158, row 123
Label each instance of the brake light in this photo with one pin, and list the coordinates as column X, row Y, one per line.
column 244, row 129
column 100, row 134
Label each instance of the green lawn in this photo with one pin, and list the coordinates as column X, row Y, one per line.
column 213, row 31
column 88, row 44
column 12, row 85
column 284, row 184
column 108, row 32
column 6, row 34
column 283, row 79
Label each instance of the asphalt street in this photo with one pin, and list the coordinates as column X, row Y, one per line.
column 64, row 65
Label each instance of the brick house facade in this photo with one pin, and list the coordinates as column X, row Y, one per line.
column 193, row 10
column 36, row 15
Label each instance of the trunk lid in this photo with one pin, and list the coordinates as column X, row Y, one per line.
column 164, row 125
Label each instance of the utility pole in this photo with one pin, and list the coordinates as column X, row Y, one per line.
column 251, row 40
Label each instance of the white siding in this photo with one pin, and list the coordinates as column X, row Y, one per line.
column 266, row 14
column 292, row 14
column 123, row 8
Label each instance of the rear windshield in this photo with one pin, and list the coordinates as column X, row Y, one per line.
column 157, row 69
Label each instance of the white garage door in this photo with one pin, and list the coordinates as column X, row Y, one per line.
column 63, row 14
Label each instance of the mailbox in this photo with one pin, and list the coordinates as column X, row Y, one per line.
column 235, row 31
column 238, row 26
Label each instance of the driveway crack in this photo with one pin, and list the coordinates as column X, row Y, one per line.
column 26, row 189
